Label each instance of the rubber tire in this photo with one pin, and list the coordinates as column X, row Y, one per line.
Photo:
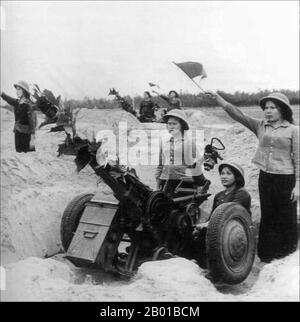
column 71, row 217
column 217, row 249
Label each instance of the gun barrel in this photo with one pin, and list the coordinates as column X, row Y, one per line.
column 189, row 198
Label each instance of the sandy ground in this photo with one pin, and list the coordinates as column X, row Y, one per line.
column 36, row 187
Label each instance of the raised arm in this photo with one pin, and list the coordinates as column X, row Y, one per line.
column 235, row 113
column 9, row 100
column 164, row 97
column 180, row 103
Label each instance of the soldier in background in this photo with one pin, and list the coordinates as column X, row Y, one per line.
column 25, row 118
column 172, row 99
column 147, row 108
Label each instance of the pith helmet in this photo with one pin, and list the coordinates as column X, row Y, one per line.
column 24, row 85
column 180, row 114
column 172, row 91
column 277, row 97
column 234, row 166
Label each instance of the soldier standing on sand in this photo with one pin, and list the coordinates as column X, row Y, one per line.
column 172, row 99
column 278, row 159
column 25, row 118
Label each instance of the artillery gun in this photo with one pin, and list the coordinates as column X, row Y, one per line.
column 141, row 224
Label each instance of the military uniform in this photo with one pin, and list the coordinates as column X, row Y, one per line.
column 25, row 122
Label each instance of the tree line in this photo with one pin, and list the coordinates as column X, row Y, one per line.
column 190, row 100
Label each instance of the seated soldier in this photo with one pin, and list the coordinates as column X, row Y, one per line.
column 232, row 178
column 175, row 156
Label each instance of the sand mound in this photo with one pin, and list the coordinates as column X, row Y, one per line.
column 198, row 118
column 35, row 188
column 105, row 118
column 176, row 279
column 31, row 279
column 278, row 281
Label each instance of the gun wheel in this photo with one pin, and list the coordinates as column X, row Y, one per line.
column 230, row 244
column 71, row 218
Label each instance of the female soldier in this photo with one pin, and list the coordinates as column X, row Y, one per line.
column 232, row 178
column 25, row 120
column 172, row 99
column 147, row 108
column 176, row 155
column 277, row 157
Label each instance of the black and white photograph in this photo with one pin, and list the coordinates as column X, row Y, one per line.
column 149, row 153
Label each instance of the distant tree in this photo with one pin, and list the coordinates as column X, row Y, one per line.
column 191, row 100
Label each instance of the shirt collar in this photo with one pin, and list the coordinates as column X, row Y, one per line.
column 284, row 123
column 176, row 137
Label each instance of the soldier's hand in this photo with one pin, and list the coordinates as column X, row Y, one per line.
column 218, row 98
column 295, row 193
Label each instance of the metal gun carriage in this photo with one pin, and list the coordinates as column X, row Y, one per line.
column 141, row 224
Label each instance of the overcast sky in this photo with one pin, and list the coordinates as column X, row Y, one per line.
column 82, row 48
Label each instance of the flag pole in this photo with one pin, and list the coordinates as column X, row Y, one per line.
column 198, row 85
column 190, row 78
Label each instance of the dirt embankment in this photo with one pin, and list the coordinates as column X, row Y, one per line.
column 35, row 279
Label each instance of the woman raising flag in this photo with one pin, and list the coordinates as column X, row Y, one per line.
column 277, row 157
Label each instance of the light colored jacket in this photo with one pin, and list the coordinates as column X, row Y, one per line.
column 278, row 148
column 175, row 158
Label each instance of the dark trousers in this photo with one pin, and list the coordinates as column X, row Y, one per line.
column 278, row 235
column 22, row 142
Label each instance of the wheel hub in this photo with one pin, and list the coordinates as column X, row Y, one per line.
column 235, row 243
column 158, row 208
